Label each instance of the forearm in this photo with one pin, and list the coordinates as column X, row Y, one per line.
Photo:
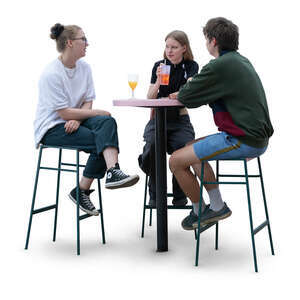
column 203, row 89
column 82, row 113
column 87, row 105
column 78, row 114
column 153, row 90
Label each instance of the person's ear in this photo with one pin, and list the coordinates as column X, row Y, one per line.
column 214, row 41
column 69, row 43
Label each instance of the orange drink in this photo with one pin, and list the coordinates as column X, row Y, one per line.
column 165, row 79
column 133, row 81
column 165, row 74
column 132, row 84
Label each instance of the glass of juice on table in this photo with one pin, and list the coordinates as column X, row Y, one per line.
column 133, row 81
column 165, row 74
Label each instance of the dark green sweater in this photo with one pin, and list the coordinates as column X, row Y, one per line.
column 232, row 88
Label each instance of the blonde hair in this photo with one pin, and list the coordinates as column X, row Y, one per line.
column 182, row 38
column 61, row 34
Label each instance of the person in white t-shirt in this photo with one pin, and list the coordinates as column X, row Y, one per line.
column 65, row 116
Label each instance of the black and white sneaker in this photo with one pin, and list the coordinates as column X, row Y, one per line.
column 115, row 178
column 85, row 203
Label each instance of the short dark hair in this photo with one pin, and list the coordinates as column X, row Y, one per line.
column 224, row 31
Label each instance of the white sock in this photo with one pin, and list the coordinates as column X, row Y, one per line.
column 196, row 207
column 215, row 198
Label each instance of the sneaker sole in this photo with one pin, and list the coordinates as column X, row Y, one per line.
column 90, row 212
column 189, row 228
column 180, row 203
column 131, row 180
column 215, row 219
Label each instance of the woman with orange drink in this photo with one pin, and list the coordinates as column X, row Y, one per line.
column 168, row 75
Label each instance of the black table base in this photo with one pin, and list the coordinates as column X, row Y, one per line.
column 161, row 179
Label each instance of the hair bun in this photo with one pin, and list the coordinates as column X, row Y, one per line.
column 56, row 31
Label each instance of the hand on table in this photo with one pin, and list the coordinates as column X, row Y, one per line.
column 173, row 96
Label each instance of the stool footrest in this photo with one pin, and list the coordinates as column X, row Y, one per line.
column 85, row 216
column 57, row 169
column 39, row 210
column 72, row 165
column 203, row 228
column 228, row 175
column 172, row 207
column 260, row 227
column 224, row 182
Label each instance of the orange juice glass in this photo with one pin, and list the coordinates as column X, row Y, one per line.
column 133, row 81
column 165, row 74
column 132, row 84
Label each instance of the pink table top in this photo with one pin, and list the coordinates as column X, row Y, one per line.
column 162, row 102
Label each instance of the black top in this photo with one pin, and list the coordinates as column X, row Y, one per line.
column 178, row 75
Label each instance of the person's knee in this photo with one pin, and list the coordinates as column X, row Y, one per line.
column 111, row 121
column 174, row 162
column 182, row 159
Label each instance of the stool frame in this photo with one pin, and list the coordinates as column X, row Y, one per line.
column 59, row 169
column 202, row 229
column 253, row 230
column 145, row 207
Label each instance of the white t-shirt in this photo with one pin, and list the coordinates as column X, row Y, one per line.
column 60, row 87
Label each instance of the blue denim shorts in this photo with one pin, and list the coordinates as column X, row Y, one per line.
column 224, row 146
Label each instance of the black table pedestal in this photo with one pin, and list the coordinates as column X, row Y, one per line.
column 161, row 179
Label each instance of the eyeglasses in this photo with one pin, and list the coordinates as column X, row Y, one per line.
column 83, row 38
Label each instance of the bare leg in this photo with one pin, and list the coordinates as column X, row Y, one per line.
column 208, row 175
column 208, row 171
column 180, row 162
column 111, row 156
column 85, row 183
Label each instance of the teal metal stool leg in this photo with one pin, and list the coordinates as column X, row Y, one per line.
column 101, row 211
column 34, row 195
column 57, row 193
column 217, row 224
column 265, row 205
column 199, row 213
column 77, row 201
column 144, row 207
column 207, row 226
column 250, row 216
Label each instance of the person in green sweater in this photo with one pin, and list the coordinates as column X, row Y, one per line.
column 230, row 85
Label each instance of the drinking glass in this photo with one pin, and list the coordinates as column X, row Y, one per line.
column 133, row 81
column 165, row 74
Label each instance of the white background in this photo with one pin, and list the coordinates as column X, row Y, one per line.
column 125, row 37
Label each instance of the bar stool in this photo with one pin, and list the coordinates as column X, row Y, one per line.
column 202, row 229
column 145, row 207
column 79, row 217
column 253, row 231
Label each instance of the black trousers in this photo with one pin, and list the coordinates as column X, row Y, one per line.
column 180, row 131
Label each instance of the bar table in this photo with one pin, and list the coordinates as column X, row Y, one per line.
column 160, row 106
